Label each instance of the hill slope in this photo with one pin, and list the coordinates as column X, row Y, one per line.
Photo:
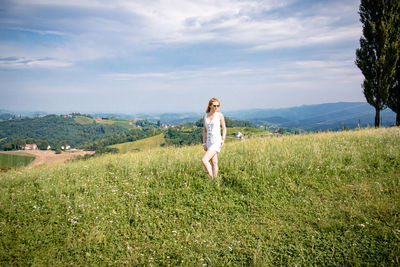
column 332, row 116
column 140, row 145
column 319, row 199
column 56, row 128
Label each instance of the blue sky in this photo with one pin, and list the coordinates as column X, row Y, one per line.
column 172, row 56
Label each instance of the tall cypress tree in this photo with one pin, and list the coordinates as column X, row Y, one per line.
column 394, row 95
column 394, row 90
column 378, row 54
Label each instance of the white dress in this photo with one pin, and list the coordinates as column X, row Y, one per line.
column 213, row 127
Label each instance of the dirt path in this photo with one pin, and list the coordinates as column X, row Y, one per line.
column 50, row 157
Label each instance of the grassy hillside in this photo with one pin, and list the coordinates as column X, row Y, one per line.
column 319, row 199
column 140, row 145
column 247, row 131
column 83, row 120
column 124, row 123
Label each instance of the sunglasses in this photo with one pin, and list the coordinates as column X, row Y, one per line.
column 216, row 106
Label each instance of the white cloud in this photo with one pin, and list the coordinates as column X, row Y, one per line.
column 106, row 29
column 276, row 73
column 18, row 63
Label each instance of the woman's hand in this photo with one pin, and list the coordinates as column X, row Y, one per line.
column 205, row 147
column 222, row 143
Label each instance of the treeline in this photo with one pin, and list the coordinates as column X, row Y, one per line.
column 100, row 145
column 56, row 129
column 18, row 143
column 230, row 123
column 183, row 137
column 192, row 133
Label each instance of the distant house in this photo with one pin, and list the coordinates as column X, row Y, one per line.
column 238, row 135
column 30, row 147
column 66, row 147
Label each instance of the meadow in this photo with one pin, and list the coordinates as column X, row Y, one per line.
column 316, row 199
column 148, row 143
column 10, row 160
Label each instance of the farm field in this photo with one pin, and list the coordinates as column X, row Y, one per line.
column 113, row 120
column 316, row 199
column 14, row 160
column 41, row 157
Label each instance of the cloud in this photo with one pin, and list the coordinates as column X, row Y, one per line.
column 96, row 29
column 22, row 62
column 276, row 73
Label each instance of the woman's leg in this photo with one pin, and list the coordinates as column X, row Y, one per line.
column 205, row 160
column 214, row 161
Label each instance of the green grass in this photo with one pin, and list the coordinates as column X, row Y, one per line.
column 117, row 121
column 14, row 160
column 83, row 120
column 318, row 199
column 140, row 145
column 247, row 131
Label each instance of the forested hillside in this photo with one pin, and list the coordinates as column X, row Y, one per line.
column 54, row 129
column 328, row 116
column 84, row 131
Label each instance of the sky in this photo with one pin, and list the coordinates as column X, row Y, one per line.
column 174, row 55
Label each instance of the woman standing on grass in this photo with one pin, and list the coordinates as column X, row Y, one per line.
column 212, row 140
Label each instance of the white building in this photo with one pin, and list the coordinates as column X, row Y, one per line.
column 238, row 135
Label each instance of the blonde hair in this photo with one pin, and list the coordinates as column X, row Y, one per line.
column 210, row 103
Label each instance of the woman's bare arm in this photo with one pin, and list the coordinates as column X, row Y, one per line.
column 222, row 121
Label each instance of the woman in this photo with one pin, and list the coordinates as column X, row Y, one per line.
column 212, row 140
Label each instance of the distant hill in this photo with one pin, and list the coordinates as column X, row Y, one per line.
column 170, row 118
column 6, row 114
column 140, row 145
column 329, row 116
column 76, row 130
column 56, row 128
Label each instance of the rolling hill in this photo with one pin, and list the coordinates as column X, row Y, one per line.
column 140, row 145
column 329, row 116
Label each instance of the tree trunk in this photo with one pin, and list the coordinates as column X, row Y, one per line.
column 377, row 117
column 398, row 118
